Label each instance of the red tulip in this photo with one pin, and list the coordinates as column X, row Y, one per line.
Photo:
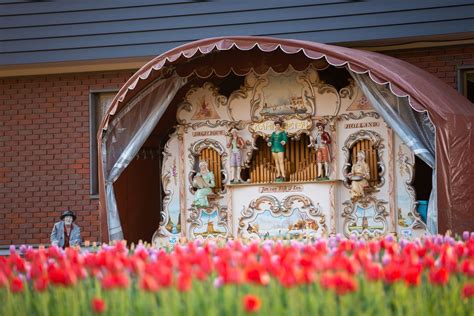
column 374, row 247
column 373, row 271
column 439, row 276
column 36, row 269
column 345, row 284
column 257, row 274
column 392, row 273
column 165, row 277
column 341, row 282
column 467, row 267
column 148, row 284
column 288, row 277
column 54, row 252
column 17, row 262
column 428, row 261
column 184, row 282
column 41, row 283
column 251, row 303
column 61, row 275
column 467, row 290
column 412, row 275
column 16, row 285
column 115, row 280
column 98, row 305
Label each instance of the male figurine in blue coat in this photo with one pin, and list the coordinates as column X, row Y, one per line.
column 65, row 233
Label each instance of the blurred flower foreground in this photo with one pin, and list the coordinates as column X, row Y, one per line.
column 333, row 276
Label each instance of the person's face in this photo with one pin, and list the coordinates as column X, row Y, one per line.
column 277, row 127
column 320, row 128
column 203, row 167
column 234, row 133
column 68, row 220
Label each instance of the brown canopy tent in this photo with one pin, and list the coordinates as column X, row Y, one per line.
column 451, row 113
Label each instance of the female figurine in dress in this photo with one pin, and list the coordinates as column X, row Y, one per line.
column 203, row 181
column 359, row 175
column 277, row 143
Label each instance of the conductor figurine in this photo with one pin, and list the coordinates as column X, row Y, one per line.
column 277, row 143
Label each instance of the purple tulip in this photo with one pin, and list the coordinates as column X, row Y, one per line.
column 465, row 235
column 386, row 259
column 218, row 282
column 23, row 249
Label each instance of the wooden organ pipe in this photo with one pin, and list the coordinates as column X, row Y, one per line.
column 265, row 165
column 305, row 158
column 299, row 161
column 374, row 173
column 217, row 174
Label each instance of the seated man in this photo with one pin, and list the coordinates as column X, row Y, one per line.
column 65, row 233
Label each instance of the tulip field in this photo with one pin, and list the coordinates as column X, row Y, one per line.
column 327, row 276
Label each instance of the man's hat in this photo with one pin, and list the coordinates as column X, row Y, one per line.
column 68, row 213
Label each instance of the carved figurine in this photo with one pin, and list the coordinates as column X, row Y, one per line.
column 323, row 154
column 359, row 175
column 277, row 143
column 203, row 181
column 236, row 144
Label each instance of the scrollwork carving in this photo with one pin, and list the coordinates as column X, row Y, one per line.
column 284, row 208
column 407, row 167
column 208, row 123
column 348, row 91
column 366, row 231
column 358, row 116
column 194, row 218
column 186, row 106
column 166, row 180
column 257, row 97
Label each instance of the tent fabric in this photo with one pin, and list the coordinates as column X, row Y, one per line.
column 127, row 134
column 414, row 129
column 450, row 112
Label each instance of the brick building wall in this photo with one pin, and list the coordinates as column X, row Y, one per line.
column 44, row 153
column 442, row 62
column 44, row 143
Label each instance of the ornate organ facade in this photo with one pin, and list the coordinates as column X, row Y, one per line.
column 345, row 170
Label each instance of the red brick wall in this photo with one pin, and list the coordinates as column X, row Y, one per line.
column 441, row 62
column 44, row 144
column 44, row 153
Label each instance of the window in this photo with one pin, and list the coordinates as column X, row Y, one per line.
column 99, row 102
column 466, row 82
